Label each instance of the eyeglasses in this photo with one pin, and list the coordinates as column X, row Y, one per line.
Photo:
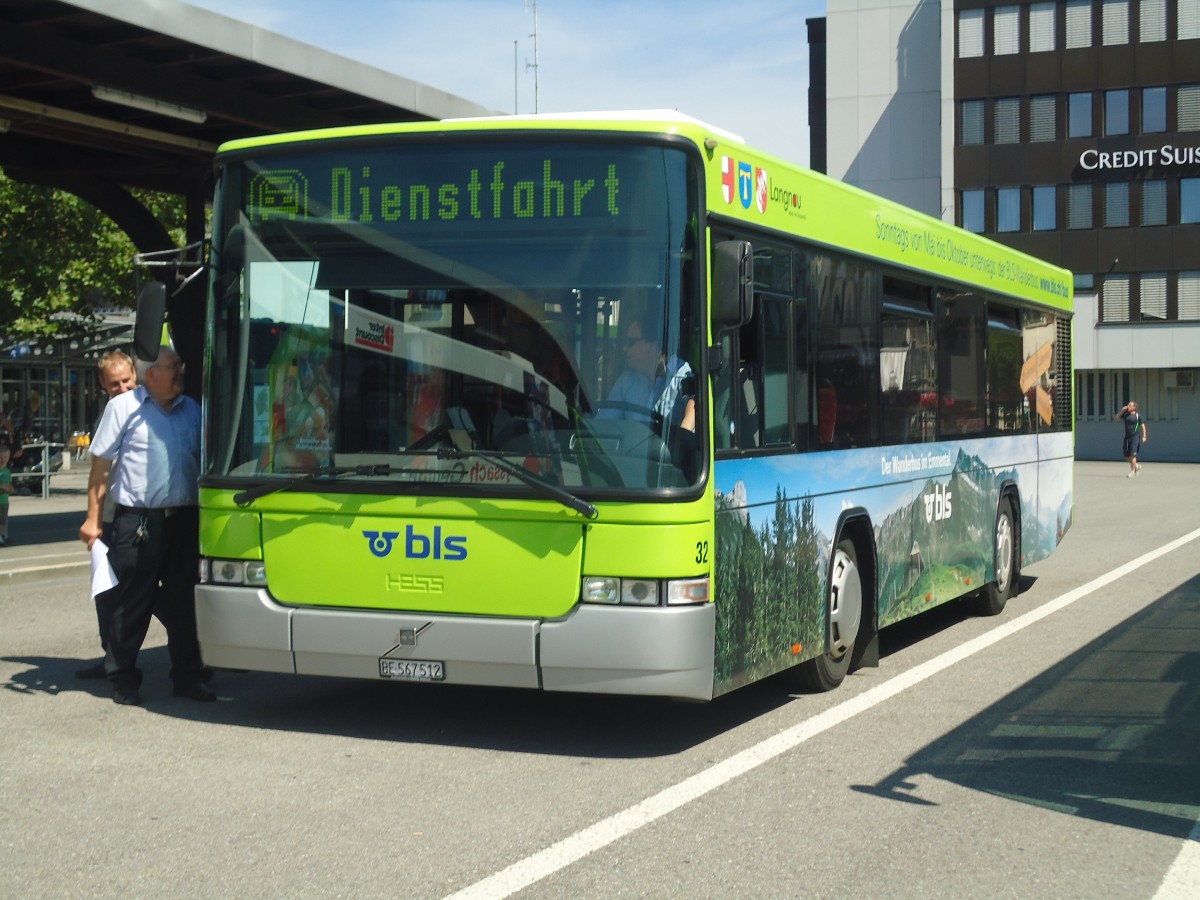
column 178, row 365
column 630, row 340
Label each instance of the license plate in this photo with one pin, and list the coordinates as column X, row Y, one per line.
column 412, row 670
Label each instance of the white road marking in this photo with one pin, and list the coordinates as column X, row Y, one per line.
column 1182, row 881
column 558, row 856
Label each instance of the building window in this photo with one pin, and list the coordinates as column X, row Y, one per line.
column 1116, row 204
column 1114, row 22
column 1042, row 29
column 972, row 211
column 1154, row 110
column 1008, row 209
column 1079, row 206
column 1114, row 300
column 972, row 122
column 1008, row 120
column 1041, row 119
column 1154, row 202
column 1153, row 299
column 1045, row 214
column 1079, row 23
column 1189, row 296
column 1189, row 201
column 1006, row 30
column 1079, row 115
column 1188, row 27
column 1116, row 112
column 970, row 33
column 1188, row 107
column 1152, row 22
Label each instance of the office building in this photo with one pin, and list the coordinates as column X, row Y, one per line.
column 1069, row 129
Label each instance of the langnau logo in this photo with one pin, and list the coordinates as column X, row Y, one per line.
column 746, row 182
column 451, row 548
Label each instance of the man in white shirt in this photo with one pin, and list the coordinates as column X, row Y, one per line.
column 149, row 442
column 116, row 375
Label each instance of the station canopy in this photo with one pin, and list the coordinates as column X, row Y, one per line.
column 98, row 97
column 139, row 93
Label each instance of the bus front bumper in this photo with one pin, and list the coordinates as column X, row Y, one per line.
column 653, row 651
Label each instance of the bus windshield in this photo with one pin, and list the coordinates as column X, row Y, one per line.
column 416, row 313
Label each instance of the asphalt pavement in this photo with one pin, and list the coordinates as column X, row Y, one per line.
column 43, row 534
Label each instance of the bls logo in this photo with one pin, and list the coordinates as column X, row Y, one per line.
column 419, row 546
column 937, row 504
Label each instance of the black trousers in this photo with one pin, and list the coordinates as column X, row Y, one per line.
column 154, row 558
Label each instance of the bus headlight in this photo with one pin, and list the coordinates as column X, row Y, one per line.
column 601, row 590
column 639, row 592
column 233, row 571
column 690, row 590
column 644, row 591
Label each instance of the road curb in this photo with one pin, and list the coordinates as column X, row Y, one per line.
column 46, row 573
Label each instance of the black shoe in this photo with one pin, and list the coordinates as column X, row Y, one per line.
column 207, row 673
column 91, row 673
column 198, row 692
column 127, row 698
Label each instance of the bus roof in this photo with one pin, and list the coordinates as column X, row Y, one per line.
column 765, row 191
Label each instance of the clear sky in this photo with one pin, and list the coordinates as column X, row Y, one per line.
column 739, row 64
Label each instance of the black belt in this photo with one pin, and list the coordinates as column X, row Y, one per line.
column 164, row 512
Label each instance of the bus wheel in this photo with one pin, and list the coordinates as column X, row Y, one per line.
column 845, row 603
column 993, row 597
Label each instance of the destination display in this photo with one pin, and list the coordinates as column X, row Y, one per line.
column 401, row 188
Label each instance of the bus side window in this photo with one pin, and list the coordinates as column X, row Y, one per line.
column 776, row 367
column 846, row 341
column 802, row 387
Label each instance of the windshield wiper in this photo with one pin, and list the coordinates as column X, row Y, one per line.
column 566, row 498
column 262, row 489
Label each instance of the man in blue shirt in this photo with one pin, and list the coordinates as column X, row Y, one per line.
column 650, row 384
column 148, row 441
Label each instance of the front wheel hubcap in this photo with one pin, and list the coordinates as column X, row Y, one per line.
column 1004, row 551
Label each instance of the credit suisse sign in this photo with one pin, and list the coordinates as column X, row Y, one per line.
column 1168, row 156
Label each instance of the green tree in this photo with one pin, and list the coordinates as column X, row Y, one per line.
column 61, row 258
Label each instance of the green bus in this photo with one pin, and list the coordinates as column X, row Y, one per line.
column 608, row 404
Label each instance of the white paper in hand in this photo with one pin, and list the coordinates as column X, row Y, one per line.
column 103, row 576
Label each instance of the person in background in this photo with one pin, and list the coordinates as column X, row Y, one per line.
column 1135, row 436
column 5, row 490
column 116, row 375
column 8, row 436
column 148, row 441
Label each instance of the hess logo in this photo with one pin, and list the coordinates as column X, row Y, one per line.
column 419, row 546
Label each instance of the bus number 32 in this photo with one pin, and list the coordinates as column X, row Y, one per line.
column 701, row 551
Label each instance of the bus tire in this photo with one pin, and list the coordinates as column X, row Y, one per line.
column 845, row 605
column 996, row 594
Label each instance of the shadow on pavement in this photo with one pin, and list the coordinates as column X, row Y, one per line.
column 46, row 528
column 580, row 725
column 504, row 719
column 1110, row 733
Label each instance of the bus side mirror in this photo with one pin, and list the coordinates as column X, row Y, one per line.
column 732, row 284
column 148, row 326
